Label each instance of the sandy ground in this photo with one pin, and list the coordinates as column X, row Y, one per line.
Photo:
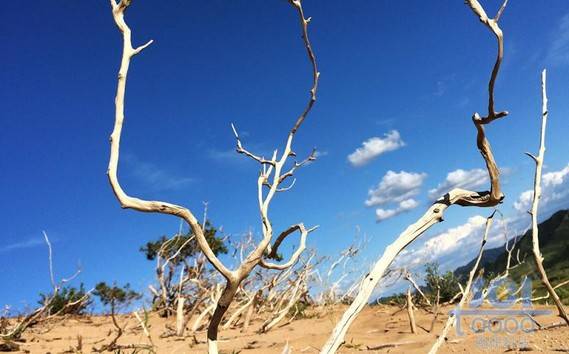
column 379, row 329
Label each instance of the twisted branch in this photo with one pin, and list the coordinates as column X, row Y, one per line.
column 315, row 74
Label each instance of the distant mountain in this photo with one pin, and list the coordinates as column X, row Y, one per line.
column 554, row 244
column 489, row 257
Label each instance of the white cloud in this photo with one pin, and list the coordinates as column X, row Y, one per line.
column 558, row 52
column 446, row 243
column 395, row 187
column 554, row 179
column 383, row 214
column 374, row 147
column 405, row 205
column 524, row 200
column 29, row 243
column 458, row 245
column 460, row 178
column 554, row 191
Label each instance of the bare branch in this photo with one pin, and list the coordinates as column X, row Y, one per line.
column 502, row 8
column 478, row 10
column 315, row 74
column 410, row 312
column 410, row 279
column 538, row 257
column 465, row 291
column 492, row 25
column 297, row 165
column 241, row 150
column 125, row 200
column 294, row 258
column 51, row 277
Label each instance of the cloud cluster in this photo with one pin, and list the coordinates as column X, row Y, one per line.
column 465, row 179
column 405, row 205
column 395, row 188
column 554, row 191
column 448, row 242
column 458, row 244
column 374, row 147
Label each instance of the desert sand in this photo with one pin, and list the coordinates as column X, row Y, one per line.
column 379, row 329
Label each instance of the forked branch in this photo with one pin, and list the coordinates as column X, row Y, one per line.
column 271, row 176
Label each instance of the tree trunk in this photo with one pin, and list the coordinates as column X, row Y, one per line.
column 222, row 306
column 410, row 312
column 180, row 323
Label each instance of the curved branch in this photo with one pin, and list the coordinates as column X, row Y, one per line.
column 492, row 25
column 294, row 258
column 315, row 74
column 124, row 199
column 495, row 195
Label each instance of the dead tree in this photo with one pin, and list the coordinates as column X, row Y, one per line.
column 546, row 296
column 168, row 293
column 330, row 282
column 410, row 308
column 144, row 326
column 510, row 247
column 456, row 196
column 180, row 321
column 181, row 253
column 272, row 178
column 465, row 291
column 436, row 308
column 43, row 313
column 409, row 277
column 293, row 289
column 535, row 203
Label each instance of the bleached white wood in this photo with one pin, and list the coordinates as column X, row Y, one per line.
column 538, row 257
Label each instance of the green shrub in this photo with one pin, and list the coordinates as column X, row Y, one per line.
column 115, row 296
column 447, row 283
column 66, row 301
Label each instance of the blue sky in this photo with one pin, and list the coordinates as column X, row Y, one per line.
column 409, row 75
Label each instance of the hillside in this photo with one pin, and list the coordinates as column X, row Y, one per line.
column 554, row 244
